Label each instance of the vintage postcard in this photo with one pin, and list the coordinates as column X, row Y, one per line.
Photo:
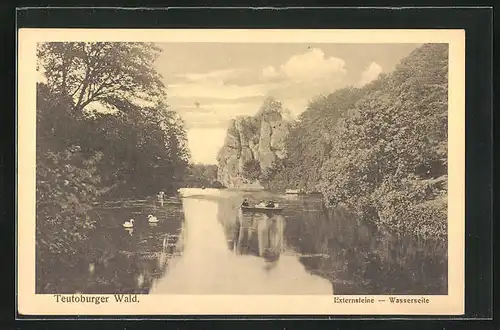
column 239, row 172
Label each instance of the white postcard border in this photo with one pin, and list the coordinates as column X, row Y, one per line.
column 30, row 303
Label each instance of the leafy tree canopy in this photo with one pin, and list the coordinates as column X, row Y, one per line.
column 380, row 149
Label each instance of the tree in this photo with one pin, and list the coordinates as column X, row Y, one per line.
column 146, row 149
column 67, row 184
column 143, row 140
column 380, row 150
column 202, row 175
column 271, row 109
column 101, row 72
column 388, row 161
column 308, row 142
column 275, row 177
column 251, row 170
column 85, row 152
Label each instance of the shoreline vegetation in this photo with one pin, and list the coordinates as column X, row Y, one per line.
column 378, row 151
column 106, row 131
column 202, row 175
column 385, row 155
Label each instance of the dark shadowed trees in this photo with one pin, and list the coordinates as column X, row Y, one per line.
column 202, row 175
column 105, row 130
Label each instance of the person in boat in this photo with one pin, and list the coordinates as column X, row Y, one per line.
column 261, row 204
column 245, row 203
column 270, row 204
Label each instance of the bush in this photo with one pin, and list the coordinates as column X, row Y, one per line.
column 416, row 206
column 66, row 187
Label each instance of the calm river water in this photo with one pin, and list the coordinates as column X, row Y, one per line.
column 207, row 245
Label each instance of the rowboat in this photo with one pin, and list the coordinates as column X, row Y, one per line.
column 260, row 208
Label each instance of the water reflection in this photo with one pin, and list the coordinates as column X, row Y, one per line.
column 260, row 234
column 250, row 264
column 355, row 256
column 359, row 258
column 208, row 245
column 115, row 259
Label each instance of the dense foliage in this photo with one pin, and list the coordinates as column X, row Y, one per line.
column 308, row 144
column 146, row 148
column 251, row 170
column 202, row 175
column 380, row 150
column 104, row 72
column 103, row 129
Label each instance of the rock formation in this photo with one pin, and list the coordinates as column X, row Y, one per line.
column 259, row 139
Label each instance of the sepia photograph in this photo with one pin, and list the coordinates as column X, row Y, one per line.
column 225, row 167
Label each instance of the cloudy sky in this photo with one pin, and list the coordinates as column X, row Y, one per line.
column 210, row 83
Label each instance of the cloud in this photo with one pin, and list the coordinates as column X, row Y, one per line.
column 236, row 76
column 312, row 65
column 370, row 73
column 269, row 72
column 215, row 90
column 232, row 83
column 216, row 114
column 304, row 76
column 217, row 75
column 253, row 76
column 192, row 109
column 189, row 101
column 225, row 94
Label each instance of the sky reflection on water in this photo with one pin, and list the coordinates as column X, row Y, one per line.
column 208, row 266
column 208, row 245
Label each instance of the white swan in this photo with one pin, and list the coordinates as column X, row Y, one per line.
column 128, row 224
column 160, row 196
column 152, row 218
